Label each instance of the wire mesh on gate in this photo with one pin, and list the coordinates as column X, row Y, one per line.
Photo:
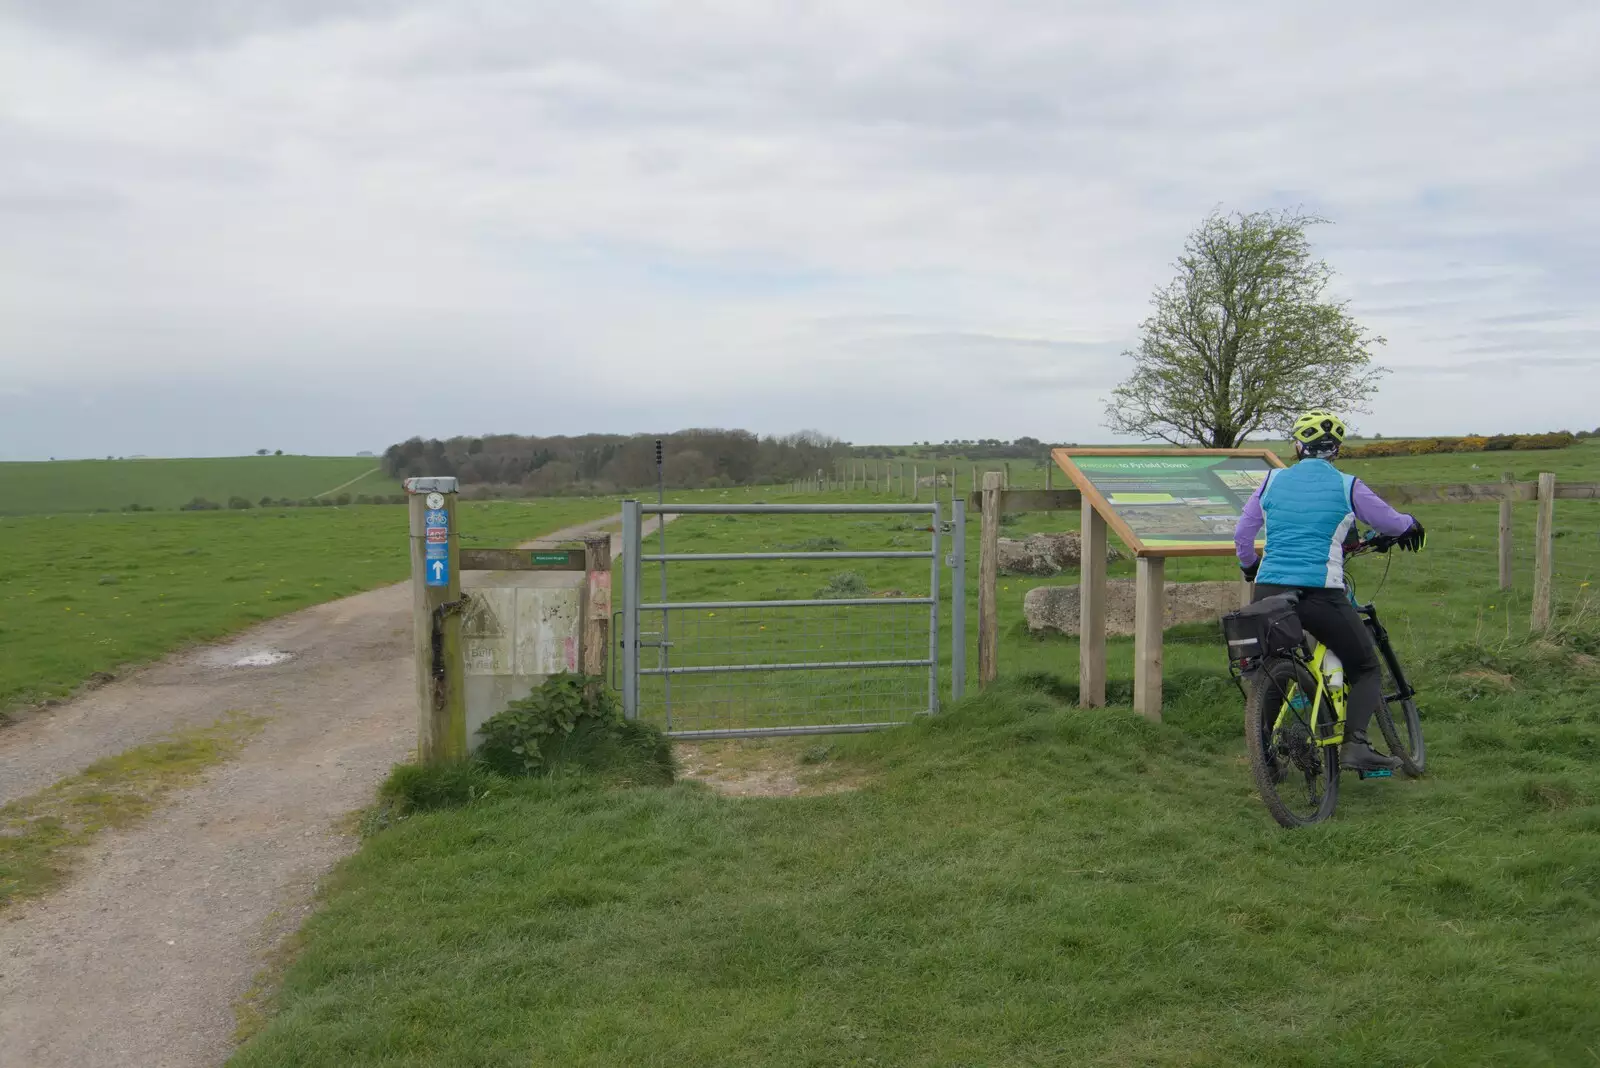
column 787, row 663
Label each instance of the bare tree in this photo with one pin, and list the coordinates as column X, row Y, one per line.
column 1241, row 340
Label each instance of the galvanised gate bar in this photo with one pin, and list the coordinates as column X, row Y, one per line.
column 787, row 663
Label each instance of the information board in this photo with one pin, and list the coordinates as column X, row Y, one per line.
column 1170, row 502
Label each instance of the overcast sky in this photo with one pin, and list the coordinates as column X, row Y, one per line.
column 326, row 225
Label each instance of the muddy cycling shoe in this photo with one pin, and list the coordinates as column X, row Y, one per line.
column 1357, row 754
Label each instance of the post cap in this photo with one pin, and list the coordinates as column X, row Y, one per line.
column 431, row 484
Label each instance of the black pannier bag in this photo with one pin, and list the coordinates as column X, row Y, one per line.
column 1269, row 626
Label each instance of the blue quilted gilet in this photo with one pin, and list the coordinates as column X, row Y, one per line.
column 1308, row 511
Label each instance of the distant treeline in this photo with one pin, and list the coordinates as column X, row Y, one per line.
column 610, row 463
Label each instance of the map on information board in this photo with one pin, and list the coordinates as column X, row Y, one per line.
column 1170, row 502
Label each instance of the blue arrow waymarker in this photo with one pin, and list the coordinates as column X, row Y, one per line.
column 438, row 573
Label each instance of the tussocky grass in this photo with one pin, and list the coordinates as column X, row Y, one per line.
column 1016, row 882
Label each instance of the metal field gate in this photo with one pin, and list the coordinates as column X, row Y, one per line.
column 765, row 635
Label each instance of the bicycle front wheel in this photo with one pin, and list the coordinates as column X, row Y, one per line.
column 1401, row 724
column 1297, row 778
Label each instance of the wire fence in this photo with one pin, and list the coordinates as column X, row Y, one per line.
column 1451, row 592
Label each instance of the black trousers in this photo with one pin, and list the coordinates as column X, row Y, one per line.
column 1330, row 616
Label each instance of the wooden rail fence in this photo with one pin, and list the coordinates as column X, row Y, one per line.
column 994, row 500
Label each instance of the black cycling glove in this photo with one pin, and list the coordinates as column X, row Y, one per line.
column 1415, row 539
column 1250, row 572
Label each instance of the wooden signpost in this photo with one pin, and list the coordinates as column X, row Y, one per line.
column 490, row 624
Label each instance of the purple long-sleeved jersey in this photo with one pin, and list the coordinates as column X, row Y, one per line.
column 1369, row 508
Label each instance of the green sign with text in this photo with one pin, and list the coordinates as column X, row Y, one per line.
column 1168, row 501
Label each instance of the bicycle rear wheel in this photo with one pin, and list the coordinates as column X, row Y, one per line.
column 1401, row 724
column 1298, row 779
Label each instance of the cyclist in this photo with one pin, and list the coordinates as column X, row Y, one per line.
column 1310, row 510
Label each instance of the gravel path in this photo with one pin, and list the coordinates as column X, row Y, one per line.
column 138, row 961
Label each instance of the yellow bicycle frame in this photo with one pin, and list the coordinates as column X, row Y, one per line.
column 1338, row 698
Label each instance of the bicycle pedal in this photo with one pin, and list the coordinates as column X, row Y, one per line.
column 1378, row 773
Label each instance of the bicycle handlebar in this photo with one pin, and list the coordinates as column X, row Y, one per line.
column 1372, row 543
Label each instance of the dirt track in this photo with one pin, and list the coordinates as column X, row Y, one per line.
column 139, row 959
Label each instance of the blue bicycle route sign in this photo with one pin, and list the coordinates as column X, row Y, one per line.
column 436, row 549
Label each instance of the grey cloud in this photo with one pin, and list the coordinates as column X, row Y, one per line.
column 181, row 25
column 1529, row 317
column 37, row 202
column 714, row 206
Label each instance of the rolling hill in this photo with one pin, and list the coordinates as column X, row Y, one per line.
column 112, row 485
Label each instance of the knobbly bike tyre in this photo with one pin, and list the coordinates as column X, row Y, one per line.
column 1302, row 763
column 1402, row 734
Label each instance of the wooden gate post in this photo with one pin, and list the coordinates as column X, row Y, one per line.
column 1505, row 533
column 597, row 616
column 1149, row 617
column 436, row 618
column 988, row 582
column 1544, row 552
column 1091, row 607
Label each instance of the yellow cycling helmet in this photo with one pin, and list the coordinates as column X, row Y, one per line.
column 1319, row 426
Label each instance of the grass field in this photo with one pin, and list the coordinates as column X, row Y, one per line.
column 1017, row 882
column 112, row 485
column 88, row 593
column 1581, row 463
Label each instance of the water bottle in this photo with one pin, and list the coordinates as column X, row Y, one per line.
column 1333, row 670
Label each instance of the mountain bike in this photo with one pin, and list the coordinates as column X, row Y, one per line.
column 1295, row 703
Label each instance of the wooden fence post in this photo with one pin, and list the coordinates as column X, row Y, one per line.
column 1505, row 533
column 441, row 698
column 988, row 581
column 914, row 483
column 1149, row 619
column 1091, row 608
column 1049, row 474
column 597, row 619
column 1007, row 466
column 1544, row 552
